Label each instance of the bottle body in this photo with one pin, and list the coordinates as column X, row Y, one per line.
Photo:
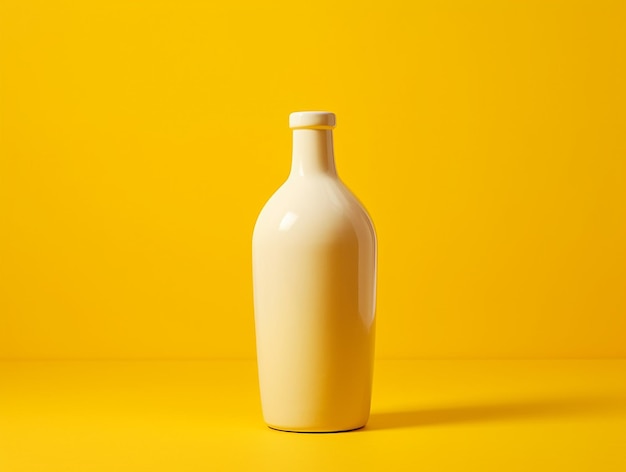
column 314, row 274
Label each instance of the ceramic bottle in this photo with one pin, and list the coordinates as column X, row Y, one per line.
column 314, row 277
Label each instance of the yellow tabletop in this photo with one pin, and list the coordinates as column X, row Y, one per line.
column 204, row 415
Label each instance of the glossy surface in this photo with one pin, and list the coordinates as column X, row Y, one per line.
column 445, row 416
column 314, row 267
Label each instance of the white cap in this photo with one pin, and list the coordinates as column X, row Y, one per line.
column 312, row 120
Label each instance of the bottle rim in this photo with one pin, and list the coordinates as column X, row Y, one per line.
column 312, row 120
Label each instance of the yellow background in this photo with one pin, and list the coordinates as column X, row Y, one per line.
column 139, row 140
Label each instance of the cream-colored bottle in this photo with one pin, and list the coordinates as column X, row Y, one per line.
column 314, row 271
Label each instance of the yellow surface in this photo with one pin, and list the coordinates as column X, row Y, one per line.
column 427, row 415
column 139, row 140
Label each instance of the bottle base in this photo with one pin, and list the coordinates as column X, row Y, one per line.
column 314, row 430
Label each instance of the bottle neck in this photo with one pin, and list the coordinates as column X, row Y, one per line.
column 312, row 153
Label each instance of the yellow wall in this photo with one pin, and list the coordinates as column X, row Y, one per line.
column 139, row 140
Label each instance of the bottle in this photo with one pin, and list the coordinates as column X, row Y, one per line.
column 314, row 277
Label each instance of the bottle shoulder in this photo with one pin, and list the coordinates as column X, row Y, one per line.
column 321, row 205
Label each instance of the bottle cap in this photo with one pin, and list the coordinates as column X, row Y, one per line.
column 312, row 120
